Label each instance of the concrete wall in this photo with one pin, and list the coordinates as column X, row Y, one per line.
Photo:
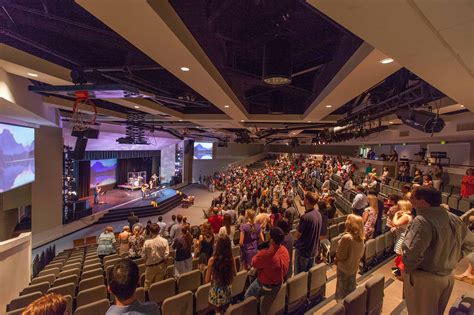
column 15, row 267
column 47, row 188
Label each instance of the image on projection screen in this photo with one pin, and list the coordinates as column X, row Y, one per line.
column 103, row 172
column 17, row 156
column 203, row 150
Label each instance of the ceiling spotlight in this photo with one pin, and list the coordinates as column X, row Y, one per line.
column 242, row 120
column 277, row 62
column 386, row 60
column 390, row 122
column 226, row 106
column 180, row 120
column 185, row 69
column 34, row 75
column 136, row 106
column 309, row 121
column 462, row 105
column 328, row 106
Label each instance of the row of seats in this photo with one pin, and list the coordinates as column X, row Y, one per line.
column 367, row 299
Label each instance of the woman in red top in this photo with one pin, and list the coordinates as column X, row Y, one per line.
column 467, row 184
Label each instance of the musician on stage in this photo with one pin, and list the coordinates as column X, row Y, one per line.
column 144, row 188
column 97, row 191
column 154, row 178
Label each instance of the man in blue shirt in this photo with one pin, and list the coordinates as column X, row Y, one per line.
column 123, row 280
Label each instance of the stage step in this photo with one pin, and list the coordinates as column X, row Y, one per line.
column 142, row 212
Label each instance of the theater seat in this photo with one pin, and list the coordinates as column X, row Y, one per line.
column 23, row 301
column 91, row 282
column 337, row 309
column 96, row 308
column 375, row 287
column 379, row 246
column 275, row 303
column 238, row 284
column 297, row 291
column 189, row 281
column 369, row 253
column 65, row 289
column 317, row 281
column 48, row 278
column 92, row 273
column 202, row 299
column 91, row 295
column 356, row 302
column 161, row 290
column 181, row 304
column 51, row 271
column 464, row 205
column 39, row 287
column 247, row 307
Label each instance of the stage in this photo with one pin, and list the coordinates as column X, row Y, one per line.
column 120, row 198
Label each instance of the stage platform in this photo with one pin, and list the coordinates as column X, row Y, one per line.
column 166, row 200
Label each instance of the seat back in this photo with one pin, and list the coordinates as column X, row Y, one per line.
column 369, row 252
column 39, row 287
column 70, row 272
column 92, row 273
column 91, row 261
column 169, row 271
column 337, row 309
column 356, row 302
column 91, row 295
column 91, row 282
column 379, row 246
column 341, row 227
column 76, row 265
column 140, row 294
column 235, row 251
column 23, row 301
column 274, row 303
column 161, row 290
column 91, row 267
column 111, row 262
column 68, row 279
column 317, row 280
column 247, row 307
column 52, row 271
column 389, row 242
column 332, row 231
column 375, row 287
column 98, row 307
column 189, row 281
column 48, row 278
column 110, row 257
column 202, row 298
column 179, row 304
column 64, row 289
column 297, row 291
column 238, row 284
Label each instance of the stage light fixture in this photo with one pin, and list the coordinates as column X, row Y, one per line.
column 421, row 120
column 277, row 62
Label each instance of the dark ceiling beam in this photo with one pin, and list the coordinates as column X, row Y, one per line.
column 38, row 46
column 60, row 19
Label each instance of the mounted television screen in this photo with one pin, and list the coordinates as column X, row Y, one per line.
column 17, row 156
column 103, row 172
column 203, row 150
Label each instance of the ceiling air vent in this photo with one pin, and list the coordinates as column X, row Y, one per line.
column 465, row 127
column 404, row 133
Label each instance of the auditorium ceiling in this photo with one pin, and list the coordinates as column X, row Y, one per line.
column 201, row 63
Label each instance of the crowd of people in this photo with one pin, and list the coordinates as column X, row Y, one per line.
column 256, row 210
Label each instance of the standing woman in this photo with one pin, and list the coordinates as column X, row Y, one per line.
column 205, row 244
column 136, row 241
column 250, row 233
column 182, row 244
column 400, row 223
column 467, row 184
column 221, row 271
column 106, row 243
column 227, row 229
column 369, row 216
column 349, row 252
column 123, row 241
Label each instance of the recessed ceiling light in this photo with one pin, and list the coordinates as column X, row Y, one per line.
column 386, row 60
column 462, row 105
column 390, row 122
column 309, row 120
column 226, row 106
column 242, row 120
column 34, row 75
column 137, row 107
column 185, row 69
column 328, row 106
column 180, row 120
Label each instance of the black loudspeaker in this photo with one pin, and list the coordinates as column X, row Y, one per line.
column 79, row 149
column 89, row 133
column 421, row 120
column 189, row 147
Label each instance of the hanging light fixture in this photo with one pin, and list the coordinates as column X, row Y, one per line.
column 277, row 63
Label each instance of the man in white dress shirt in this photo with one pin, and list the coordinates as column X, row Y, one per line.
column 360, row 201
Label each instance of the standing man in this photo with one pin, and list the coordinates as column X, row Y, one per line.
column 162, row 225
column 155, row 251
column 430, row 251
column 309, row 230
column 175, row 230
column 216, row 221
column 97, row 190
column 132, row 220
column 123, row 279
column 360, row 201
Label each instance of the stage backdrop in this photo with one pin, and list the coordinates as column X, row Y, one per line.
column 103, row 172
column 133, row 165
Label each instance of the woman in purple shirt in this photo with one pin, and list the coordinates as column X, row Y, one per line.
column 250, row 232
